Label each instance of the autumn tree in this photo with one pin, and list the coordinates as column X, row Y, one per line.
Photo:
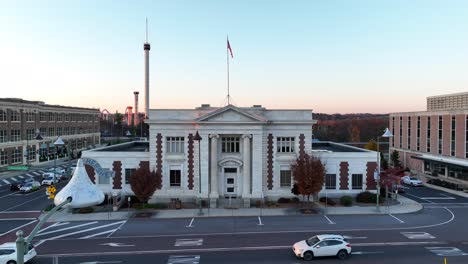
column 371, row 145
column 144, row 183
column 309, row 174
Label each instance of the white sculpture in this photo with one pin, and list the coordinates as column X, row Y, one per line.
column 81, row 189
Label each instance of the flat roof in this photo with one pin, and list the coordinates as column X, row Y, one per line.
column 334, row 147
column 134, row 146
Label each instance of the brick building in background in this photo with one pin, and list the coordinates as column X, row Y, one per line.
column 434, row 142
column 20, row 119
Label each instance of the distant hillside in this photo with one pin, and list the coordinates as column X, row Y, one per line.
column 349, row 127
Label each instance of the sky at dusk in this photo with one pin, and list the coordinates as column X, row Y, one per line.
column 329, row 56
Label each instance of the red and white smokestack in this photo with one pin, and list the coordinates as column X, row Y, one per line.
column 146, row 48
column 135, row 115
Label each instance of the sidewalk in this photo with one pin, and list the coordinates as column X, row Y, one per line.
column 405, row 206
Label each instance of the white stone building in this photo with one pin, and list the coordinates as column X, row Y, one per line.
column 245, row 154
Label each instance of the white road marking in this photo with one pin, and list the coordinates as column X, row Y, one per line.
column 260, row 221
column 352, row 237
column 5, row 181
column 329, row 221
column 191, row 222
column 23, row 203
column 83, row 231
column 438, row 198
column 418, row 235
column 29, row 175
column 13, row 179
column 12, row 219
column 98, row 234
column 21, row 177
column 398, row 219
column 187, row 242
column 116, row 245
column 97, row 262
column 447, row 251
column 363, row 253
column 16, row 228
column 66, row 228
column 185, row 250
column 53, row 225
column 419, row 198
column 37, row 173
column 117, row 229
column 9, row 194
column 183, row 259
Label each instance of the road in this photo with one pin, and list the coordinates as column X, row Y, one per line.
column 423, row 237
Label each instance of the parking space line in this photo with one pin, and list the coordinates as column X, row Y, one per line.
column 14, row 179
column 66, row 228
column 191, row 222
column 398, row 219
column 259, row 221
column 329, row 221
column 21, row 177
column 5, row 181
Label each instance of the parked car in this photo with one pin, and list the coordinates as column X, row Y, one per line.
column 47, row 175
column 399, row 188
column 30, row 186
column 17, row 185
column 413, row 181
column 57, row 170
column 8, row 253
column 322, row 246
column 51, row 180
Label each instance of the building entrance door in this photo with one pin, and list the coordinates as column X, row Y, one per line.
column 230, row 182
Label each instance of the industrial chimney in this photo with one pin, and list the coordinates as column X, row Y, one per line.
column 135, row 117
column 146, row 48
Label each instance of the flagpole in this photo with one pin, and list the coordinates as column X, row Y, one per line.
column 227, row 60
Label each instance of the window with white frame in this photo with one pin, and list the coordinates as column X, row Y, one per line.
column 59, row 131
column 15, row 116
column 30, row 133
column 440, row 135
column 29, row 116
column 31, row 153
column 60, row 117
column 330, row 181
column 66, row 131
column 428, row 140
column 42, row 116
column 15, row 135
column 3, row 157
column 285, row 178
column 230, row 144
column 3, row 136
column 128, row 174
column 16, row 156
column 51, row 116
column 285, row 144
column 43, row 131
column 175, row 177
column 51, row 132
column 3, row 115
column 453, row 137
column 356, row 182
column 175, row 144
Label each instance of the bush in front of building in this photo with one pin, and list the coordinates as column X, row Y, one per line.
column 327, row 201
column 284, row 200
column 366, row 197
column 346, row 200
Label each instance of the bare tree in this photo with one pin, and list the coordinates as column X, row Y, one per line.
column 144, row 183
column 309, row 174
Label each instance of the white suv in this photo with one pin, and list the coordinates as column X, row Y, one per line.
column 8, row 253
column 322, row 246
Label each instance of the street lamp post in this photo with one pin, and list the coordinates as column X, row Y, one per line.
column 57, row 143
column 198, row 138
column 39, row 138
column 386, row 134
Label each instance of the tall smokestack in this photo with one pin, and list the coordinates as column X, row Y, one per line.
column 135, row 117
column 146, row 48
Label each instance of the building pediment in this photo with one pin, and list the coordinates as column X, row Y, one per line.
column 230, row 114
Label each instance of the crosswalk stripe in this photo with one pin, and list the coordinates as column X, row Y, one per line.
column 85, row 230
column 66, row 228
column 14, row 179
column 36, row 173
column 21, row 177
column 98, row 234
column 5, row 181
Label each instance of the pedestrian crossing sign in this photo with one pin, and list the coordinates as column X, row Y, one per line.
column 51, row 189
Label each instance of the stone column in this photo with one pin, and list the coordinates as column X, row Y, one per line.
column 247, row 164
column 214, row 170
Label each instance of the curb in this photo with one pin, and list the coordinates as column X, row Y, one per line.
column 462, row 194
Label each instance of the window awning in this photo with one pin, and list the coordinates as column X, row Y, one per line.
column 442, row 160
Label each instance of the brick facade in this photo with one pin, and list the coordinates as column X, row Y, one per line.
column 344, row 175
column 117, row 168
column 371, row 167
column 91, row 173
column 190, row 165
column 270, row 162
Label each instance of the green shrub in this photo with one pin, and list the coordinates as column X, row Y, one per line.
column 366, row 197
column 346, row 200
column 284, row 200
column 327, row 201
